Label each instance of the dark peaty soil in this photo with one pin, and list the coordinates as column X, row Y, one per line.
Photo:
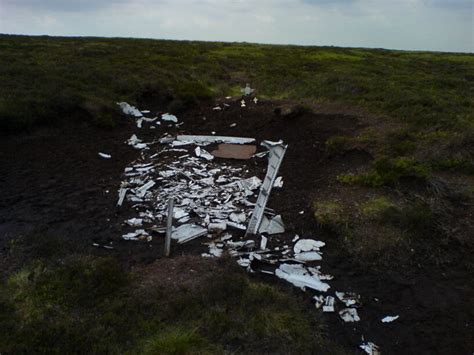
column 53, row 183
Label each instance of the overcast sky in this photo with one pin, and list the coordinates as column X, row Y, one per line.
column 441, row 25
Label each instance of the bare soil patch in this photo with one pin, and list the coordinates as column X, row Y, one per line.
column 53, row 183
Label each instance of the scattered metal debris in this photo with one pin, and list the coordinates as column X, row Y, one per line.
column 215, row 198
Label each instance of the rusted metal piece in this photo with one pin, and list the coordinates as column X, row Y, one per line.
column 234, row 151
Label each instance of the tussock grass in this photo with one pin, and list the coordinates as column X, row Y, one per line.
column 381, row 231
column 47, row 79
column 85, row 304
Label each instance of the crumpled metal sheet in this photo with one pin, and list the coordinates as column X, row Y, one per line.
column 187, row 232
column 214, row 139
column 301, row 277
column 277, row 152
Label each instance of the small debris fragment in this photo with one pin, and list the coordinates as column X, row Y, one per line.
column 278, row 182
column 299, row 276
column 122, row 193
column 237, row 217
column 187, row 232
column 143, row 189
column 389, row 319
column 169, row 118
column 308, row 256
column 105, row 156
column 202, row 153
column 329, row 304
column 349, row 315
column 242, row 103
column 139, row 234
column 179, row 213
column 273, row 226
column 263, row 243
column 308, row 245
column 136, row 143
column 350, row 299
column 129, row 110
column 370, row 348
column 318, row 301
column 247, row 90
column 135, row 222
column 103, row 246
column 233, row 125
column 217, row 227
column 255, row 100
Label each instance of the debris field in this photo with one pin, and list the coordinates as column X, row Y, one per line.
column 222, row 197
column 57, row 184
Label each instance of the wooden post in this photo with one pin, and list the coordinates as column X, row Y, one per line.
column 169, row 227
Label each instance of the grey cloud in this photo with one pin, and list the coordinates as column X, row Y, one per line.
column 328, row 2
column 451, row 4
column 63, row 5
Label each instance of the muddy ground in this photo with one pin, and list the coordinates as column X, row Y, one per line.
column 53, row 182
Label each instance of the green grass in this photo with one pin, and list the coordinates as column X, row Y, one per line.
column 381, row 233
column 386, row 171
column 85, row 304
column 50, row 80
